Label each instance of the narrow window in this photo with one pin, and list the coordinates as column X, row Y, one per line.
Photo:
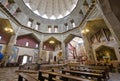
column 27, row 44
column 24, row 59
column 55, row 29
column 37, row 26
column 73, row 23
column 29, row 24
column 81, row 12
column 36, row 46
column 49, row 29
column 0, row 37
column 66, row 25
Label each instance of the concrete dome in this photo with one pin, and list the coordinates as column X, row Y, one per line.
column 51, row 9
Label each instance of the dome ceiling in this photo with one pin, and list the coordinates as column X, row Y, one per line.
column 51, row 9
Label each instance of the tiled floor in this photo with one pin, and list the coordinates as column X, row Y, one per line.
column 8, row 74
column 114, row 77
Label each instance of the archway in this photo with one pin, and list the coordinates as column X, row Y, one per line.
column 51, row 47
column 74, row 48
column 23, row 59
column 105, row 54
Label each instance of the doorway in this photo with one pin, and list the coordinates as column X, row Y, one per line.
column 23, row 59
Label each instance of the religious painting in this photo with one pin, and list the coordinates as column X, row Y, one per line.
column 105, row 53
column 36, row 56
column 13, row 56
column 0, row 48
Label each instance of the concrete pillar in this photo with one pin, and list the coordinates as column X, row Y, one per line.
column 10, row 45
column 88, row 48
column 40, row 52
column 40, row 49
column 64, row 50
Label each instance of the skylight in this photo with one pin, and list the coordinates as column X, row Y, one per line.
column 28, row 5
column 52, row 17
column 36, row 12
column 45, row 16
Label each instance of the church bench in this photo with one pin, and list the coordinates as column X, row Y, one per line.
column 85, row 74
column 102, row 68
column 93, row 68
column 63, row 77
column 106, row 75
column 26, row 77
column 51, row 66
column 26, row 71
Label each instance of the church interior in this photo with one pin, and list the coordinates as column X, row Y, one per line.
column 59, row 40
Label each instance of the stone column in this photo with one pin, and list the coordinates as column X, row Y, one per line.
column 88, row 48
column 64, row 50
column 10, row 45
column 40, row 51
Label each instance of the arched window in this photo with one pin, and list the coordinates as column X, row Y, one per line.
column 27, row 44
column 30, row 22
column 0, row 37
column 73, row 23
column 49, row 29
column 37, row 26
column 66, row 25
column 36, row 46
column 55, row 29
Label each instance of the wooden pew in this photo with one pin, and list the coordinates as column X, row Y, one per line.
column 26, row 71
column 26, row 77
column 64, row 77
column 89, row 67
column 51, row 66
column 86, row 74
column 93, row 71
column 102, row 68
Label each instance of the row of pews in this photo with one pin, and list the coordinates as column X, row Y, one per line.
column 67, row 73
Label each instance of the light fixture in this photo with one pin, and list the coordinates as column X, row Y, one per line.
column 84, row 31
column 87, row 30
column 9, row 29
column 51, row 42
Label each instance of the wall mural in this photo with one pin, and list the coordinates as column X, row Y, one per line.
column 105, row 53
column 13, row 56
column 0, row 48
column 1, row 55
column 36, row 57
